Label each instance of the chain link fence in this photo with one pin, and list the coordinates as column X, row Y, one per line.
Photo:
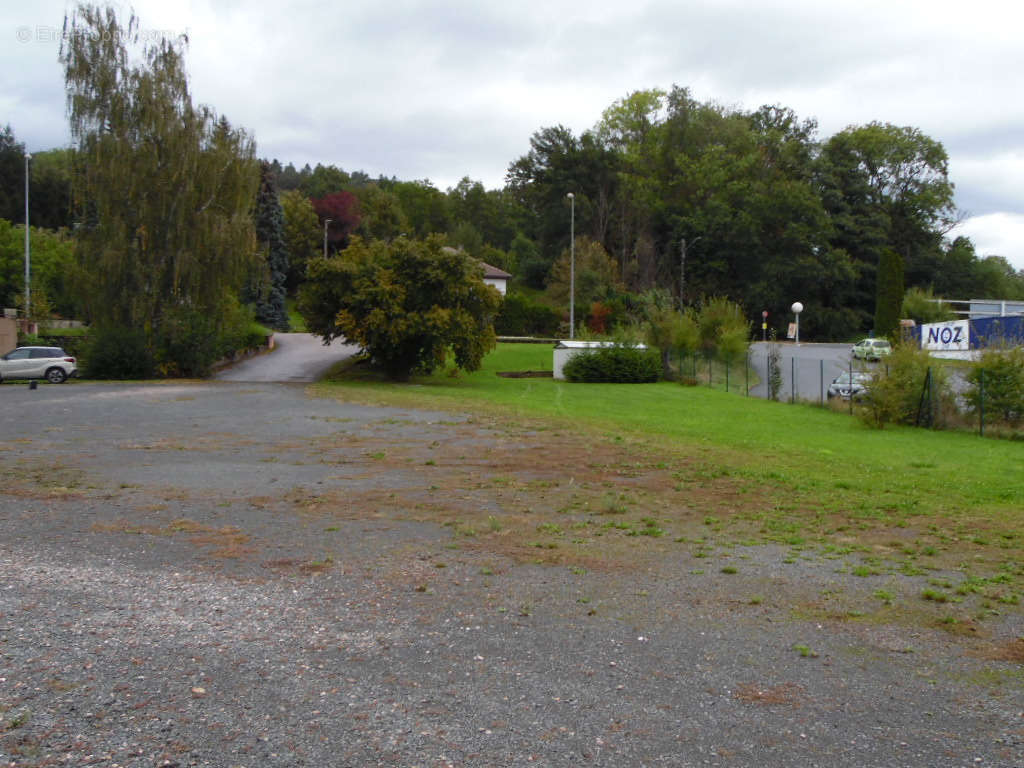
column 962, row 401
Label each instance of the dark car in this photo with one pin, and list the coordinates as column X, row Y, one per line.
column 845, row 387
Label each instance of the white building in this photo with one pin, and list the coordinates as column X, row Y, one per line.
column 497, row 277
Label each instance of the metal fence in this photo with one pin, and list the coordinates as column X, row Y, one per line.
column 795, row 379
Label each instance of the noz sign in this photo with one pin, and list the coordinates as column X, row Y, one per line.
column 954, row 336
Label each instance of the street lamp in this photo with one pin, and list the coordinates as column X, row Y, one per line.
column 326, row 222
column 28, row 257
column 682, row 265
column 797, row 309
column 572, row 265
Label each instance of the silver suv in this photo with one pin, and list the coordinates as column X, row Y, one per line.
column 50, row 363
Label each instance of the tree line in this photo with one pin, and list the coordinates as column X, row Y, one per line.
column 162, row 218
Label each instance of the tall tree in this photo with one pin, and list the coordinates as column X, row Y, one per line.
column 270, row 284
column 164, row 189
column 887, row 188
column 50, row 184
column 340, row 216
column 425, row 207
column 324, row 180
column 302, row 235
column 382, row 214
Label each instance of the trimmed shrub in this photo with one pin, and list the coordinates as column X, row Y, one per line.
column 117, row 353
column 623, row 365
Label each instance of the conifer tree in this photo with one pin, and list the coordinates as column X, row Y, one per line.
column 889, row 286
column 269, row 289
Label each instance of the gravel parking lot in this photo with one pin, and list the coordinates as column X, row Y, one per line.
column 229, row 574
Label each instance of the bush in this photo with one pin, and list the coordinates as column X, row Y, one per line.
column 624, row 365
column 722, row 329
column 188, row 344
column 117, row 353
column 409, row 304
column 997, row 381
column 908, row 388
column 920, row 305
column 519, row 316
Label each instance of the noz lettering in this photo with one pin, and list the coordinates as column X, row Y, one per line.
column 946, row 335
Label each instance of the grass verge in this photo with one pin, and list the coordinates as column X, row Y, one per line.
column 822, row 479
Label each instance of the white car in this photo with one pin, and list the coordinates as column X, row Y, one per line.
column 50, row 363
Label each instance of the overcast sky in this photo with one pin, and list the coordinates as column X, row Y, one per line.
column 442, row 90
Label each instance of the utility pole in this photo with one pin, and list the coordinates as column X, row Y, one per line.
column 28, row 256
column 682, row 266
column 572, row 265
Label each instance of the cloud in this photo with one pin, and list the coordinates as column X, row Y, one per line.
column 420, row 89
column 996, row 234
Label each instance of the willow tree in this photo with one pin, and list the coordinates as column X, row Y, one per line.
column 163, row 189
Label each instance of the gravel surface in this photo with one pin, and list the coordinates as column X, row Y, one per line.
column 242, row 575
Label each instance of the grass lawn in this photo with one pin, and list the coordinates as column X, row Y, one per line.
column 823, row 478
column 295, row 321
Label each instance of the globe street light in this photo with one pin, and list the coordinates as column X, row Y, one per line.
column 797, row 309
column 28, row 257
column 572, row 265
column 326, row 222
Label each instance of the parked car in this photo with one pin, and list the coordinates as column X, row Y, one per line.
column 50, row 363
column 872, row 349
column 845, row 387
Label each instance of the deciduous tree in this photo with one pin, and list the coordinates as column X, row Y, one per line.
column 164, row 189
column 302, row 235
column 409, row 304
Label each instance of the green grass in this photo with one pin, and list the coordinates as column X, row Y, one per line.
column 815, row 476
column 900, row 470
column 295, row 320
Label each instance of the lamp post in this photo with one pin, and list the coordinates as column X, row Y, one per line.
column 326, row 222
column 797, row 309
column 28, row 256
column 682, row 265
column 572, row 265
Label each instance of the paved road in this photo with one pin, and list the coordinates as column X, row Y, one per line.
column 297, row 357
column 812, row 365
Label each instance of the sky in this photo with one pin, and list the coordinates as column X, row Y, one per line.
column 443, row 90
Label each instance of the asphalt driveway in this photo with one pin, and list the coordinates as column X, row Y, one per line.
column 296, row 357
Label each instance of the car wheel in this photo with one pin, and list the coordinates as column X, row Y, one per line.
column 56, row 376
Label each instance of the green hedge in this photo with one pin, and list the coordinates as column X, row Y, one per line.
column 519, row 316
column 623, row 365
